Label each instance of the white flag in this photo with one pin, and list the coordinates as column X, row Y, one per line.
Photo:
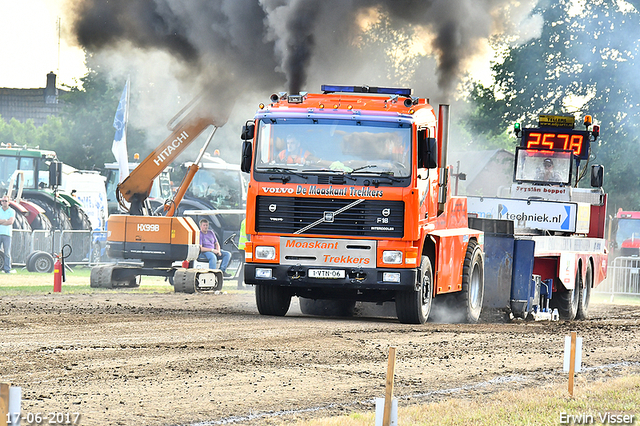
column 119, row 147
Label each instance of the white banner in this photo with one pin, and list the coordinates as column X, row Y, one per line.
column 527, row 214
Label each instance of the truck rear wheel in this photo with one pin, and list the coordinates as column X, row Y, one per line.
column 327, row 308
column 585, row 294
column 414, row 306
column 470, row 298
column 272, row 300
column 567, row 301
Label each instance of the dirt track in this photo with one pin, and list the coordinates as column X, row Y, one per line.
column 164, row 359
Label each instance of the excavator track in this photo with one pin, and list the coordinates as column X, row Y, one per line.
column 101, row 276
column 184, row 281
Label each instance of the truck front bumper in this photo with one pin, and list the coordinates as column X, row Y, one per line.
column 354, row 278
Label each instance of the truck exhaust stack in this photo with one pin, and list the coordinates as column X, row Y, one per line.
column 443, row 147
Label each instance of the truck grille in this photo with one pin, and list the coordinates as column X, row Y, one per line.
column 369, row 218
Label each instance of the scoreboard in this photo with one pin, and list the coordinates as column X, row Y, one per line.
column 574, row 140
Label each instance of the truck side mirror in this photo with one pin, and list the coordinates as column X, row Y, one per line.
column 597, row 176
column 247, row 151
column 248, row 131
column 427, row 151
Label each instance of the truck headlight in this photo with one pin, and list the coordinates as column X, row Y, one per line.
column 393, row 257
column 265, row 252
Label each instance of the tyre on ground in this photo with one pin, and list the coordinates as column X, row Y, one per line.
column 469, row 299
column 40, row 261
column 585, row 294
column 567, row 301
column 272, row 300
column 414, row 306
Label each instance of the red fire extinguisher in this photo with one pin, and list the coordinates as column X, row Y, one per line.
column 57, row 275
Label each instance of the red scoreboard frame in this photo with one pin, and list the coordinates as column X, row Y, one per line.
column 565, row 139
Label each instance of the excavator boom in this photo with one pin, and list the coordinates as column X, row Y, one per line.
column 194, row 120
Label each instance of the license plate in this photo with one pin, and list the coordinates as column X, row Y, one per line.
column 326, row 273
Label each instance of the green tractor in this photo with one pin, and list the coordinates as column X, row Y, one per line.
column 39, row 173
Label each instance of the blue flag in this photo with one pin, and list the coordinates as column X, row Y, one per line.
column 119, row 147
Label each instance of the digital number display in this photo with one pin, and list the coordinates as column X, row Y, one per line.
column 574, row 140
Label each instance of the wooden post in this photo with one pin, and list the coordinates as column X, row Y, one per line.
column 388, row 395
column 4, row 404
column 572, row 361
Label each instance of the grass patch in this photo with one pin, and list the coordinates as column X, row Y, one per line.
column 76, row 281
column 617, row 299
column 534, row 406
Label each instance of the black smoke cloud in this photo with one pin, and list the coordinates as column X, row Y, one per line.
column 266, row 44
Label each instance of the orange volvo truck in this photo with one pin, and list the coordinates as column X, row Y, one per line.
column 349, row 201
column 159, row 241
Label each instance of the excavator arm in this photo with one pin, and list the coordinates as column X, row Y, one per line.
column 186, row 126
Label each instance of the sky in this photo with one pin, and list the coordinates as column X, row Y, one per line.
column 29, row 45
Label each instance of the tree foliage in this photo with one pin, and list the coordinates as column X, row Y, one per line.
column 83, row 133
column 584, row 62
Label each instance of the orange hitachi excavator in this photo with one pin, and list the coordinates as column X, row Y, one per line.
column 159, row 241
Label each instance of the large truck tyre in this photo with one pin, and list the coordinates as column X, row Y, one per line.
column 567, row 301
column 272, row 300
column 327, row 308
column 469, row 300
column 414, row 306
column 585, row 294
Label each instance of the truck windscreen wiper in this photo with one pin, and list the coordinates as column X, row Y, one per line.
column 285, row 170
column 335, row 172
column 383, row 173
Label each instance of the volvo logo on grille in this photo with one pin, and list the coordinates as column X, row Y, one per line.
column 386, row 212
column 328, row 216
column 272, row 208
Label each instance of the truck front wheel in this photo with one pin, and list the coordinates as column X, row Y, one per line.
column 272, row 300
column 413, row 307
column 472, row 294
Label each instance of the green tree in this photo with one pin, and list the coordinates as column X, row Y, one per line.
column 589, row 55
column 88, row 120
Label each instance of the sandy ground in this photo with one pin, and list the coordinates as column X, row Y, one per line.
column 165, row 359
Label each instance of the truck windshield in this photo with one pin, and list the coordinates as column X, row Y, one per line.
column 301, row 145
column 223, row 189
column 628, row 234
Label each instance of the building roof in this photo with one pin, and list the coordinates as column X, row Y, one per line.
column 35, row 104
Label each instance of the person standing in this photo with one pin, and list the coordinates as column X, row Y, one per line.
column 210, row 248
column 7, row 216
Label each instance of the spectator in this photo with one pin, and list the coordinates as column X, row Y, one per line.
column 210, row 248
column 7, row 216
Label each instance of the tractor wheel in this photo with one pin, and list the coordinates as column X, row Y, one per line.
column 58, row 218
column 469, row 300
column 272, row 300
column 585, row 294
column 20, row 239
column 414, row 306
column 40, row 261
column 327, row 308
column 41, row 223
